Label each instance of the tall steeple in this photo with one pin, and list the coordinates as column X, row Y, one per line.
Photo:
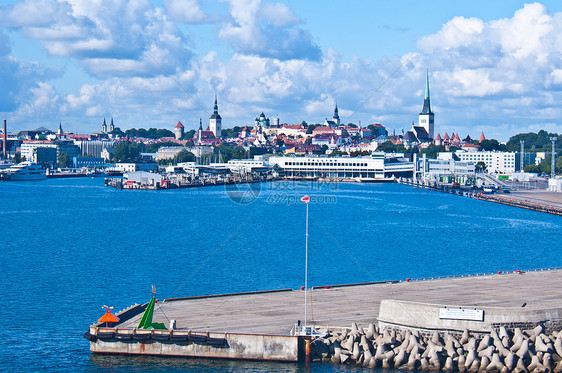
column 426, row 104
column 336, row 115
column 426, row 117
column 215, row 123
column 104, row 126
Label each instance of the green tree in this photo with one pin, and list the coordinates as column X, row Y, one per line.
column 63, row 160
column 480, row 167
column 491, row 144
column 117, row 131
column 310, row 128
column 228, row 152
column 532, row 168
column 189, row 135
column 184, row 156
column 534, row 142
column 432, row 151
column 128, row 151
column 389, row 147
column 544, row 166
column 232, row 132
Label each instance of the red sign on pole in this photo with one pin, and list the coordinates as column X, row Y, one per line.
column 305, row 199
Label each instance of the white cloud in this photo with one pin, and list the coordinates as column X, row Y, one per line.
column 187, row 11
column 108, row 37
column 42, row 101
column 457, row 32
column 267, row 29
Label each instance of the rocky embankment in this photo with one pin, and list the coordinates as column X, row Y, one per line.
column 501, row 350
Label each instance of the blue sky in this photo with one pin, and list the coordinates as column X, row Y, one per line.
column 494, row 66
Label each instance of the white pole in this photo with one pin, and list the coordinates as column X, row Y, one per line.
column 306, row 267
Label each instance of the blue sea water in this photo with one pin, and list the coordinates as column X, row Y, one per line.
column 69, row 246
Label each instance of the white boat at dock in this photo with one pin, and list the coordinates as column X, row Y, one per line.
column 23, row 171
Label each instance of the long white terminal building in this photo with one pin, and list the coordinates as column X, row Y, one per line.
column 376, row 167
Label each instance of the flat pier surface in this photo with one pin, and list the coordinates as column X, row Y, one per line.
column 274, row 313
column 543, row 197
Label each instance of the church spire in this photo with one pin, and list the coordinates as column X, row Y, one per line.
column 426, row 104
column 200, row 124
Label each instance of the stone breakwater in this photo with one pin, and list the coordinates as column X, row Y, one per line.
column 501, row 350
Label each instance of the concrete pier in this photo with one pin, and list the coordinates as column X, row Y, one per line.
column 246, row 320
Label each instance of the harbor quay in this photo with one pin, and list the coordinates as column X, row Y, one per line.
column 261, row 325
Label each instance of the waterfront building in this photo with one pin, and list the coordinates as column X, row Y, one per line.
column 376, row 167
column 215, row 122
column 136, row 166
column 107, row 154
column 79, row 162
column 496, row 162
column 426, row 116
column 444, row 168
column 94, row 147
column 178, row 131
column 40, row 152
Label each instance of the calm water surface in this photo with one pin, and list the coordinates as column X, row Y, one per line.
column 70, row 246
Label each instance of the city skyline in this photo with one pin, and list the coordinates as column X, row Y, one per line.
column 494, row 68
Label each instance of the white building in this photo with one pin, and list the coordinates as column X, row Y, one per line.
column 555, row 184
column 378, row 166
column 496, row 162
column 137, row 166
column 28, row 150
column 444, row 167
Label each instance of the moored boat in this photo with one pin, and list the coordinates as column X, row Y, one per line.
column 23, row 171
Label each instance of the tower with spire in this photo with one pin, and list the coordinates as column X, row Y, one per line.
column 111, row 126
column 104, row 126
column 336, row 116
column 215, row 122
column 200, row 131
column 426, row 117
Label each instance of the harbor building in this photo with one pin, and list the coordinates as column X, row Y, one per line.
column 95, row 147
column 215, row 122
column 376, row 167
column 444, row 168
column 496, row 162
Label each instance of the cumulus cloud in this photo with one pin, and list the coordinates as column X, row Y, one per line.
column 186, row 11
column 268, row 29
column 107, row 37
